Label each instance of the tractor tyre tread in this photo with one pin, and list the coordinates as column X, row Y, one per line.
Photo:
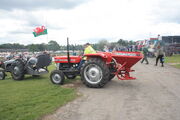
column 60, row 73
column 105, row 71
column 111, row 76
column 3, row 75
column 20, row 65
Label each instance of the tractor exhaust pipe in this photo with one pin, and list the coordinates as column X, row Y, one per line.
column 68, row 52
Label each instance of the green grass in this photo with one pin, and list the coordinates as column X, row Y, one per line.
column 173, row 59
column 177, row 66
column 31, row 98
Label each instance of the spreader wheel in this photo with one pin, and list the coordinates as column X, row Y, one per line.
column 94, row 73
column 57, row 77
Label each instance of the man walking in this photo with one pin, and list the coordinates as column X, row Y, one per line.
column 145, row 53
column 160, row 55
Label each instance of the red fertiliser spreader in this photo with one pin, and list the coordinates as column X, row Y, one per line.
column 98, row 69
column 119, row 63
column 124, row 62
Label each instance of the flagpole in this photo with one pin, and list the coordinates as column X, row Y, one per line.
column 46, row 26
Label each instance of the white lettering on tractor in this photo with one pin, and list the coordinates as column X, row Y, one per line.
column 126, row 54
column 64, row 60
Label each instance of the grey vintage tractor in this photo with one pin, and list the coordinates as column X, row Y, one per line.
column 34, row 66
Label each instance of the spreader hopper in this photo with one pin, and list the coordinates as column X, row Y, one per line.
column 124, row 62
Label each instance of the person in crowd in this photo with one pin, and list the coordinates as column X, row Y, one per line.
column 145, row 53
column 136, row 48
column 106, row 48
column 10, row 56
column 130, row 48
column 160, row 55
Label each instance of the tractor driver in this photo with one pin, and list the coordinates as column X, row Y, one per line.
column 88, row 49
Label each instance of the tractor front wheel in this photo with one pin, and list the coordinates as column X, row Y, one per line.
column 94, row 73
column 57, row 77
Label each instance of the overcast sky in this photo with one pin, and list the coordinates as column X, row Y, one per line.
column 87, row 20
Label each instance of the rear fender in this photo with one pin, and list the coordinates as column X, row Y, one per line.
column 105, row 56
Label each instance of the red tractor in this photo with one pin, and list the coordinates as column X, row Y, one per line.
column 98, row 69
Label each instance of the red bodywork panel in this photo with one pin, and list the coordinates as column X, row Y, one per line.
column 64, row 59
column 105, row 56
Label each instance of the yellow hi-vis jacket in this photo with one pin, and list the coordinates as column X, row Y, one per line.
column 88, row 50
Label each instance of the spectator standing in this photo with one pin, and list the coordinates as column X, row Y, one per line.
column 106, row 49
column 160, row 55
column 145, row 53
column 131, row 48
column 136, row 48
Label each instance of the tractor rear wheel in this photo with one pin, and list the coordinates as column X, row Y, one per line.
column 57, row 77
column 2, row 75
column 111, row 76
column 17, row 72
column 94, row 73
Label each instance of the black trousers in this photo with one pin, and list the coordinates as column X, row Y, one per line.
column 161, row 59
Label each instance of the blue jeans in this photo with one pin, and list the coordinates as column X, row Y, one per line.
column 80, row 64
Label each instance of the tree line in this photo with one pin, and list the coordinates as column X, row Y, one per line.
column 54, row 46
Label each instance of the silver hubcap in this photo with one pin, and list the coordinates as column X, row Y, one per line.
column 93, row 74
column 56, row 78
column 16, row 70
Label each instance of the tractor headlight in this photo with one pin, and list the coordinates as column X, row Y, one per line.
column 57, row 66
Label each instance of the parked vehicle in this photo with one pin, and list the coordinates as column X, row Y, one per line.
column 18, row 67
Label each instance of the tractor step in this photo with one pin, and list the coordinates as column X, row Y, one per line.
column 71, row 70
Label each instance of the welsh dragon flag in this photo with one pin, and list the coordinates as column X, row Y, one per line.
column 39, row 31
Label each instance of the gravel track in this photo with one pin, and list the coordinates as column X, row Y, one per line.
column 154, row 95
